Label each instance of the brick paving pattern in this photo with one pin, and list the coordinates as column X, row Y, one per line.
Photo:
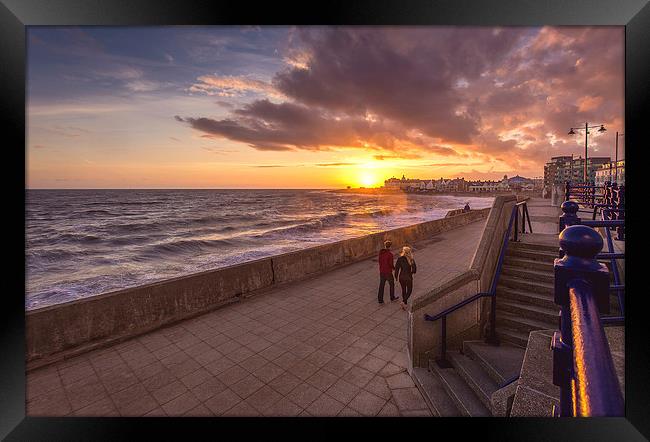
column 320, row 347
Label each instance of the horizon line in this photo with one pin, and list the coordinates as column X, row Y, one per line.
column 186, row 188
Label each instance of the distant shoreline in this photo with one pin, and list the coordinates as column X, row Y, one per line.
column 382, row 191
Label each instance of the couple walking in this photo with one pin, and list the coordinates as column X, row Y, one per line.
column 404, row 269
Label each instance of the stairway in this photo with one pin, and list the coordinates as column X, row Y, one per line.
column 524, row 304
column 525, row 292
column 476, row 372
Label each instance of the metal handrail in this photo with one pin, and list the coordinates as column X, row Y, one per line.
column 610, row 256
column 612, row 321
column 491, row 337
column 583, row 367
column 597, row 392
column 570, row 218
column 455, row 307
column 614, row 267
column 611, row 201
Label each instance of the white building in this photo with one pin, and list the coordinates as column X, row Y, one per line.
column 403, row 184
column 611, row 172
column 489, row 186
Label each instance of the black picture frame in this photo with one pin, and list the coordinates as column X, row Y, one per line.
column 15, row 15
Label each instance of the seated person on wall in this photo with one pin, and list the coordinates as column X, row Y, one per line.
column 466, row 208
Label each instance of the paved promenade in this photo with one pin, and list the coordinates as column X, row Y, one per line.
column 320, row 347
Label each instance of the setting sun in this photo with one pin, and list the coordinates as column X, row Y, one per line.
column 368, row 179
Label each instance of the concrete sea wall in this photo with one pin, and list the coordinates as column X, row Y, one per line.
column 64, row 330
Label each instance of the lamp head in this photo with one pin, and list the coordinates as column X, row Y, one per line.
column 602, row 128
column 571, row 132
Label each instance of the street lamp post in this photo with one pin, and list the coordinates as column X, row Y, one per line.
column 586, row 128
column 616, row 159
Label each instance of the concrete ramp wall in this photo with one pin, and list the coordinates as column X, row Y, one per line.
column 424, row 337
column 65, row 330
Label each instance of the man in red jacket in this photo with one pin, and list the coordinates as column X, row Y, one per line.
column 386, row 272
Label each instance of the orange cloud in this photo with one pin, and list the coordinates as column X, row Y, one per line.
column 589, row 103
column 230, row 86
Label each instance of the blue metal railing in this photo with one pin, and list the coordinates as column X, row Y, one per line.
column 583, row 367
column 582, row 363
column 610, row 201
column 569, row 218
column 491, row 337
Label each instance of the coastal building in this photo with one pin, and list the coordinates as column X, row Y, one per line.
column 611, row 172
column 451, row 185
column 556, row 169
column 392, row 183
column 566, row 168
column 403, row 184
column 489, row 186
column 428, row 185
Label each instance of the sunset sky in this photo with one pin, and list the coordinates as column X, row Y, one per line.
column 313, row 107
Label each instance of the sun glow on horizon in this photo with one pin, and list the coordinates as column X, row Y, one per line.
column 369, row 179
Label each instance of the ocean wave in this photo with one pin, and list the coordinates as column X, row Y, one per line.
column 185, row 246
column 86, row 243
column 56, row 255
column 340, row 219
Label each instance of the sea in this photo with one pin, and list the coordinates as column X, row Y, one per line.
column 82, row 243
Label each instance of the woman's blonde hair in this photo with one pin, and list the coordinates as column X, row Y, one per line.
column 408, row 253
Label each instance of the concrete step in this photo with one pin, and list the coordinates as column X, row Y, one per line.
column 500, row 362
column 525, row 325
column 525, row 297
column 524, row 310
column 435, row 395
column 523, row 245
column 526, row 285
column 513, row 336
column 464, row 398
column 473, row 374
column 533, row 275
column 531, row 264
column 535, row 255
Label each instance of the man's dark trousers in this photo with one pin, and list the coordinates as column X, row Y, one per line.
column 383, row 277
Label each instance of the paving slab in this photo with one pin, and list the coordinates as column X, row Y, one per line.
column 322, row 347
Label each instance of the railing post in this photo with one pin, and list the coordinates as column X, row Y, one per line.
column 569, row 215
column 516, row 238
column 613, row 203
column 492, row 334
column 442, row 360
column 620, row 214
column 567, row 191
column 579, row 266
column 607, row 189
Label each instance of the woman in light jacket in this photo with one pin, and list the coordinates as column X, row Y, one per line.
column 405, row 268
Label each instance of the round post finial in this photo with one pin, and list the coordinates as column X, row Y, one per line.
column 581, row 242
column 569, row 208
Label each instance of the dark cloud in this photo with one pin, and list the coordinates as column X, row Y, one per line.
column 506, row 95
column 403, row 74
column 286, row 126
